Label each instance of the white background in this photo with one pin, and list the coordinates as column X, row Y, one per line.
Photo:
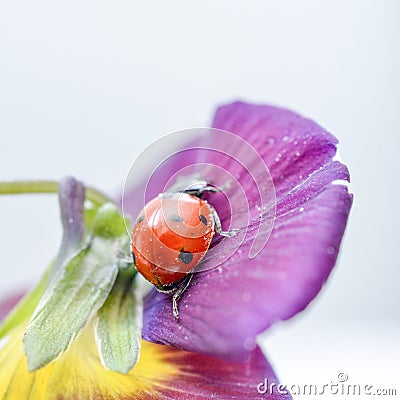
column 85, row 86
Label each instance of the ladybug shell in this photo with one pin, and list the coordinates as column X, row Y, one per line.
column 171, row 235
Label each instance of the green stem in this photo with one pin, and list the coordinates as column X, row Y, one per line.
column 24, row 187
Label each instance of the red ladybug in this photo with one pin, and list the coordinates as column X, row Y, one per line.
column 171, row 236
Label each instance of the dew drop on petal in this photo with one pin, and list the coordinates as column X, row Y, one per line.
column 246, row 296
column 330, row 250
column 301, row 209
column 271, row 140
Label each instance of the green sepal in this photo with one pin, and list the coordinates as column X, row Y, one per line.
column 119, row 325
column 76, row 292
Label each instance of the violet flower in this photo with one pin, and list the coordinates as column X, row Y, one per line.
column 91, row 290
column 225, row 308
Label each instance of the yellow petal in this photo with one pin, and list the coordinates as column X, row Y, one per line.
column 78, row 373
column 163, row 373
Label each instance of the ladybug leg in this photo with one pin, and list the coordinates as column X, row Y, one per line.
column 218, row 226
column 179, row 292
column 125, row 260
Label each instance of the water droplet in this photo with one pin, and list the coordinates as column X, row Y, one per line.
column 297, row 154
column 301, row 209
column 330, row 250
column 88, row 205
column 246, row 296
column 271, row 140
column 285, row 138
column 71, row 220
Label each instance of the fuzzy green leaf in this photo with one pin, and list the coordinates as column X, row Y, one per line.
column 79, row 289
column 119, row 327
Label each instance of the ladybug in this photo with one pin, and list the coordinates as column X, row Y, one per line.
column 171, row 236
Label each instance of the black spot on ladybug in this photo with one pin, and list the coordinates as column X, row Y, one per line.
column 140, row 219
column 203, row 219
column 175, row 218
column 186, row 256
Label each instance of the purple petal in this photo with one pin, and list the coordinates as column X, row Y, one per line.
column 292, row 146
column 225, row 308
column 202, row 377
